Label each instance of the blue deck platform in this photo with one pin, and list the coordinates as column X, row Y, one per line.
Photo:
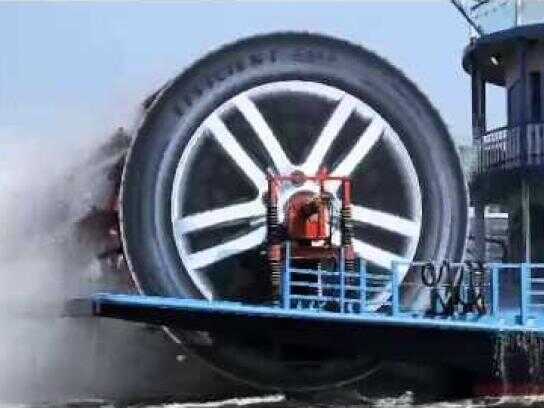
column 183, row 312
column 513, row 300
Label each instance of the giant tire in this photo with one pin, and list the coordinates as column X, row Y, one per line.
column 180, row 108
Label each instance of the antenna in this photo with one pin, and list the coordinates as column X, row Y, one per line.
column 459, row 6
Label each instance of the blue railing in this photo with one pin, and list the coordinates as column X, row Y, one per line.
column 503, row 148
column 531, row 288
column 521, row 290
column 491, row 292
column 338, row 291
column 491, row 298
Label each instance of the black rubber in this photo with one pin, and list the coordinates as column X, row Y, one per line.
column 182, row 105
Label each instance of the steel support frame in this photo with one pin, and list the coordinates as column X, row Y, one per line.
column 479, row 127
column 522, row 64
column 526, row 218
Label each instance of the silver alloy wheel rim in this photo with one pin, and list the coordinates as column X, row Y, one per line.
column 252, row 211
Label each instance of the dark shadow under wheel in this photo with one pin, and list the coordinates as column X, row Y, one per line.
column 193, row 217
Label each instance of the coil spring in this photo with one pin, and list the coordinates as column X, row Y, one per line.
column 350, row 268
column 275, row 276
column 350, row 265
column 272, row 214
column 272, row 220
column 347, row 235
column 347, row 226
column 274, row 261
column 432, row 276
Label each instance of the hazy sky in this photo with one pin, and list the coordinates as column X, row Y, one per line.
column 78, row 70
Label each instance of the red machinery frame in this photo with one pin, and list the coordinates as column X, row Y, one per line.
column 307, row 222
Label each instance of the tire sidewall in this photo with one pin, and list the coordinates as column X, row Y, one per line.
column 181, row 108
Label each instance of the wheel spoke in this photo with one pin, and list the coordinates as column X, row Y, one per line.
column 236, row 246
column 220, row 216
column 369, row 252
column 231, row 146
column 264, row 133
column 376, row 255
column 386, row 221
column 364, row 144
column 329, row 133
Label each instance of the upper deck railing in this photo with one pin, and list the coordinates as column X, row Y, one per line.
column 507, row 148
column 490, row 16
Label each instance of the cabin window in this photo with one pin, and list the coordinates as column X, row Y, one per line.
column 536, row 109
column 514, row 103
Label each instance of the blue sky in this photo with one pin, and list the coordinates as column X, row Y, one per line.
column 81, row 69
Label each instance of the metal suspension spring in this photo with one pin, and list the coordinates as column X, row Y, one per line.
column 275, row 277
column 272, row 221
column 346, row 226
column 350, row 266
column 274, row 242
